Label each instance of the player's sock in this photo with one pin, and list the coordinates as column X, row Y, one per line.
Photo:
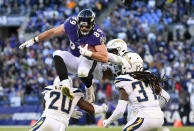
column 60, row 68
column 90, row 97
column 87, row 81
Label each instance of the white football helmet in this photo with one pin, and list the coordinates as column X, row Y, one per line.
column 134, row 63
column 117, row 44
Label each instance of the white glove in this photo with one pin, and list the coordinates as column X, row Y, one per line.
column 100, row 109
column 84, row 51
column 105, row 66
column 29, row 43
column 105, row 108
column 106, row 123
column 76, row 114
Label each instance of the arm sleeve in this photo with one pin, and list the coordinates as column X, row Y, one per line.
column 115, row 59
column 164, row 98
column 100, row 109
column 69, row 24
column 119, row 111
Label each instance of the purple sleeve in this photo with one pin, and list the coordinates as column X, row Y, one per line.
column 69, row 23
column 98, row 37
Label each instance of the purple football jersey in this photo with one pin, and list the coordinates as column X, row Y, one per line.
column 95, row 37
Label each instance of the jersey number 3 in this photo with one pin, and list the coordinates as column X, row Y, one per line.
column 64, row 102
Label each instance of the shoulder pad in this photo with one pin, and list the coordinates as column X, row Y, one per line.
column 99, row 36
column 123, row 78
column 48, row 88
column 77, row 92
column 70, row 23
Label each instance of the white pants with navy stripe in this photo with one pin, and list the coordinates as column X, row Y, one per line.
column 144, row 124
column 80, row 65
column 48, row 124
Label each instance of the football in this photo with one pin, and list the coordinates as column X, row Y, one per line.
column 90, row 48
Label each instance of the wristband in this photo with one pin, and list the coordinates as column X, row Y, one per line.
column 88, row 53
column 36, row 39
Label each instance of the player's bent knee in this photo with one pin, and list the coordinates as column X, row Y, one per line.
column 57, row 53
column 83, row 72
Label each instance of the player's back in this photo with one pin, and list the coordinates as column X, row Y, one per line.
column 59, row 106
column 143, row 100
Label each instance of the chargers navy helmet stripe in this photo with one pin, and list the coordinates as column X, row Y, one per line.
column 121, row 79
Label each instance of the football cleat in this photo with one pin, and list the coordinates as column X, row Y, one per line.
column 66, row 88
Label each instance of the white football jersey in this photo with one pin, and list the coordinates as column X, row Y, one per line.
column 59, row 106
column 141, row 96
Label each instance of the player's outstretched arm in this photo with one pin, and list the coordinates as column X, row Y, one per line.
column 44, row 36
column 92, row 108
column 164, row 97
column 120, row 109
column 101, row 53
column 115, row 59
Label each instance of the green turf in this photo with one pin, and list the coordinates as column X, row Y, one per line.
column 83, row 128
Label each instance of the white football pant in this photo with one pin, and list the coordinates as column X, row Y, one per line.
column 144, row 124
column 80, row 65
column 48, row 124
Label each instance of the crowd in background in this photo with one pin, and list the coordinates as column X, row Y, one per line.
column 45, row 8
column 147, row 27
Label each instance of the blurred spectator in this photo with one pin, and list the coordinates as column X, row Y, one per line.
column 45, row 15
column 101, row 96
column 187, row 34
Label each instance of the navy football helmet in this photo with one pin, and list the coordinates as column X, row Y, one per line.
column 85, row 21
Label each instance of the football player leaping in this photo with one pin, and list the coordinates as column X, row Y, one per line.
column 80, row 30
column 59, row 108
column 141, row 89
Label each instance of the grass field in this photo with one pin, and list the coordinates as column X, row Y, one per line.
column 85, row 128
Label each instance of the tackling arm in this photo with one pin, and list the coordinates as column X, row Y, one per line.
column 115, row 59
column 91, row 108
column 120, row 109
column 102, row 55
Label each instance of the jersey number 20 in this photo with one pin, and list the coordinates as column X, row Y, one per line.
column 64, row 102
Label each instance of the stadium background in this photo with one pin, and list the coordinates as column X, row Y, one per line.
column 161, row 31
